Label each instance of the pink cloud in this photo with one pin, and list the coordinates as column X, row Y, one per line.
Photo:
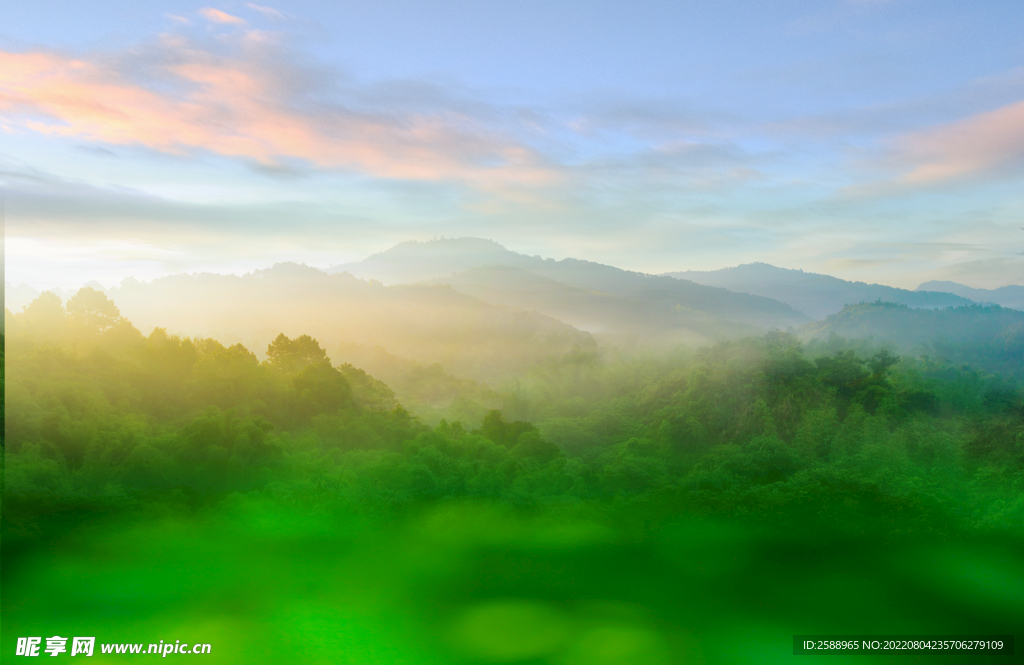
column 982, row 144
column 235, row 108
column 217, row 16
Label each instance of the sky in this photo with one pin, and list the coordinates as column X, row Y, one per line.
column 873, row 140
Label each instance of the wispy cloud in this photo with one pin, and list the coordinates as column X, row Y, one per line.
column 266, row 11
column 191, row 99
column 986, row 144
column 217, row 16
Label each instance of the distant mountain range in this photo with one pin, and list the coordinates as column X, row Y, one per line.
column 484, row 312
column 1006, row 296
column 425, row 323
column 591, row 295
column 818, row 295
column 610, row 318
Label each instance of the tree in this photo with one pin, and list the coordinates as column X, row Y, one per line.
column 505, row 433
column 531, row 446
column 844, row 372
column 292, row 355
column 881, row 362
column 91, row 311
column 321, row 389
column 225, row 376
column 45, row 317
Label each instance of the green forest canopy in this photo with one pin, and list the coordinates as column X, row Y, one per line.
column 95, row 407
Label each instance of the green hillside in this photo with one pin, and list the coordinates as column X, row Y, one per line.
column 990, row 338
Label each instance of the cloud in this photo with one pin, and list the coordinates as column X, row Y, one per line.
column 44, row 205
column 986, row 144
column 217, row 16
column 266, row 11
column 187, row 99
column 96, row 150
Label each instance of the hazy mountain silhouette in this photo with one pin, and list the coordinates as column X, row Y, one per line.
column 17, row 297
column 1007, row 296
column 813, row 294
column 439, row 260
column 428, row 324
column 415, row 261
column 610, row 318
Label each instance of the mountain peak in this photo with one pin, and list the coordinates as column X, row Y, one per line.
column 466, row 243
column 1008, row 296
column 415, row 261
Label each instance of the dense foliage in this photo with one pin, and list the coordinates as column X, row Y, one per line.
column 703, row 468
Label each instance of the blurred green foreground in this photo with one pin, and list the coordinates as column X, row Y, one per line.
column 479, row 584
column 702, row 508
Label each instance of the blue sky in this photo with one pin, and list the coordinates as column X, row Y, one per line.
column 874, row 140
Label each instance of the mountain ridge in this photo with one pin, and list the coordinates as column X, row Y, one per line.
column 1011, row 296
column 439, row 260
column 815, row 294
column 428, row 324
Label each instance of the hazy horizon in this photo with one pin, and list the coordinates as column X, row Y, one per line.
column 73, row 280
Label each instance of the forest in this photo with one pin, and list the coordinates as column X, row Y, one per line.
column 698, row 504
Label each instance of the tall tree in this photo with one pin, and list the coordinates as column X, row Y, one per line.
column 291, row 356
column 91, row 311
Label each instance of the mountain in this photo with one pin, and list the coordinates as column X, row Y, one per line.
column 428, row 324
column 414, row 261
column 16, row 297
column 985, row 337
column 621, row 321
column 1008, row 296
column 442, row 260
column 815, row 295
